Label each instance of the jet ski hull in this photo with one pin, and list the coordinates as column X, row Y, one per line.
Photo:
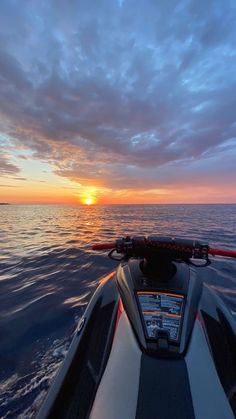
column 116, row 369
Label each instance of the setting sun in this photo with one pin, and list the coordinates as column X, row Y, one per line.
column 88, row 201
column 87, row 195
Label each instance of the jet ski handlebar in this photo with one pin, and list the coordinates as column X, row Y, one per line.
column 174, row 248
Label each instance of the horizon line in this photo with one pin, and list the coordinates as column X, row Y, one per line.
column 116, row 204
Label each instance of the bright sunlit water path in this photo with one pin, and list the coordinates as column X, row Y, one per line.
column 48, row 272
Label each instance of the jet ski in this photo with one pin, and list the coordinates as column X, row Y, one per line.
column 153, row 342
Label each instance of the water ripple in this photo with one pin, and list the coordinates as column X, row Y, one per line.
column 48, row 272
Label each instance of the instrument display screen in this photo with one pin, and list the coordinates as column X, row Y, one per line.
column 161, row 311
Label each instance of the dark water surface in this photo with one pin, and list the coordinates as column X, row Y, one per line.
column 48, row 272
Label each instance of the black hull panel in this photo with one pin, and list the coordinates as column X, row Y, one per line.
column 74, row 389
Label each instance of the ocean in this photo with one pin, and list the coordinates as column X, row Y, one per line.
column 48, row 273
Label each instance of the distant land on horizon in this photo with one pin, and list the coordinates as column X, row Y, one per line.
column 5, row 203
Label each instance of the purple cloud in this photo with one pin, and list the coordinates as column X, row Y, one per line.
column 6, row 167
column 119, row 94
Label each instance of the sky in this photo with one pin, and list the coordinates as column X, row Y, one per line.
column 117, row 101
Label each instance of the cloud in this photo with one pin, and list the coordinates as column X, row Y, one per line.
column 9, row 186
column 6, row 167
column 118, row 94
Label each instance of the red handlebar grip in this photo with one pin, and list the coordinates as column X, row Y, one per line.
column 221, row 252
column 104, row 246
column 211, row 251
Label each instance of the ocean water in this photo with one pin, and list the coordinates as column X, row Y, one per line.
column 48, row 273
